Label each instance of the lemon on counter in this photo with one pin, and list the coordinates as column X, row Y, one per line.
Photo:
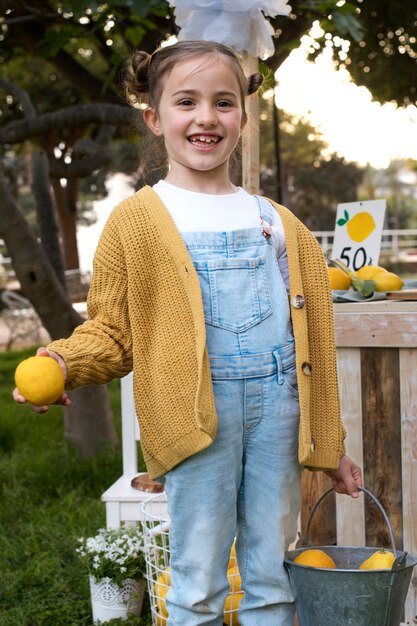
column 388, row 281
column 384, row 280
column 369, row 272
column 40, row 380
column 338, row 279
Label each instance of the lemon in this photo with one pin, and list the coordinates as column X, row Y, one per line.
column 360, row 226
column 165, row 577
column 382, row 559
column 232, row 559
column 369, row 272
column 160, row 595
column 235, row 579
column 161, row 588
column 39, row 380
column 338, row 278
column 161, row 620
column 231, row 608
column 388, row 281
column 315, row 558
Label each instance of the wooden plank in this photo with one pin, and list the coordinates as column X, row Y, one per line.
column 377, row 330
column 375, row 306
column 250, row 136
column 408, row 395
column 323, row 527
column 403, row 294
column 382, row 443
column 350, row 513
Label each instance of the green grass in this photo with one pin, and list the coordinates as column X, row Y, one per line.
column 48, row 498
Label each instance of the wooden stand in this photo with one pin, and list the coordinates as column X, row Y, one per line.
column 377, row 364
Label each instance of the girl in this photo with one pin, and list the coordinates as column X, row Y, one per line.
column 220, row 303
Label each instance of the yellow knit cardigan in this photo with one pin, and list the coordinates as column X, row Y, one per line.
column 145, row 312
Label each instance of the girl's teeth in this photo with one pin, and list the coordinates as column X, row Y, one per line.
column 205, row 139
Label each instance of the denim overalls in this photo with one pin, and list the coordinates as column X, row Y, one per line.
column 246, row 484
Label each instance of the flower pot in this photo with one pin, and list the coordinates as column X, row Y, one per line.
column 110, row 601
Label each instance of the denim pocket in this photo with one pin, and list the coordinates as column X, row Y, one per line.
column 289, row 373
column 235, row 292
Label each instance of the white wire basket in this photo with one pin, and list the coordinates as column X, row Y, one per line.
column 155, row 523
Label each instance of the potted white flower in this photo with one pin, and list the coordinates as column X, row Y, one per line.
column 115, row 562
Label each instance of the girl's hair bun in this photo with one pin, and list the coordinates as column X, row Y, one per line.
column 140, row 64
column 254, row 82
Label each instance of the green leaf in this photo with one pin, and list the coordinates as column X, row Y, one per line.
column 347, row 24
column 53, row 42
column 338, row 263
column 341, row 222
column 365, row 287
column 346, row 214
column 134, row 34
column 77, row 7
column 139, row 7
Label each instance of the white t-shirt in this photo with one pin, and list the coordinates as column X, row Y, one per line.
column 199, row 212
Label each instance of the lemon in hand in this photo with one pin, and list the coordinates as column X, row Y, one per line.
column 40, row 380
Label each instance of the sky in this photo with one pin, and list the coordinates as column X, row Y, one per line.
column 353, row 125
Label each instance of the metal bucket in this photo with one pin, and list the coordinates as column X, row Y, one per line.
column 346, row 595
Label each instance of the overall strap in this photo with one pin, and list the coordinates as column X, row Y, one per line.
column 266, row 210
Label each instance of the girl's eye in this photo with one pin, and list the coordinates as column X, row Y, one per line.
column 186, row 103
column 224, row 103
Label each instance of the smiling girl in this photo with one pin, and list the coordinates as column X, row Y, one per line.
column 219, row 301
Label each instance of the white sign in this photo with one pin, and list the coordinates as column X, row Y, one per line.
column 358, row 233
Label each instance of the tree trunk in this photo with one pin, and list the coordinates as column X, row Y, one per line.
column 67, row 214
column 46, row 214
column 89, row 423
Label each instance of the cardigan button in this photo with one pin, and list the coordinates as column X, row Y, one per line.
column 312, row 445
column 307, row 369
column 297, row 301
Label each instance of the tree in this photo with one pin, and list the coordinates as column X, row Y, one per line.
column 375, row 40
column 313, row 181
column 397, row 184
column 61, row 63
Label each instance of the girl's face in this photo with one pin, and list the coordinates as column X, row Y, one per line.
column 200, row 118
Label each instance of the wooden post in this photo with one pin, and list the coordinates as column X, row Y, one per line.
column 323, row 526
column 382, row 443
column 350, row 513
column 408, row 367
column 250, row 137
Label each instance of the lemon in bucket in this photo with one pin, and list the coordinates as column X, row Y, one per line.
column 381, row 559
column 315, row 558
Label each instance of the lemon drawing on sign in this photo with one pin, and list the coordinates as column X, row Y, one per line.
column 359, row 227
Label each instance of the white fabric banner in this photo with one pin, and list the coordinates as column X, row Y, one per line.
column 240, row 24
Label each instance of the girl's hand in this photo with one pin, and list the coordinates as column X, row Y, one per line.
column 347, row 478
column 64, row 399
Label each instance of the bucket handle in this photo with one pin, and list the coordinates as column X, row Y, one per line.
column 399, row 557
